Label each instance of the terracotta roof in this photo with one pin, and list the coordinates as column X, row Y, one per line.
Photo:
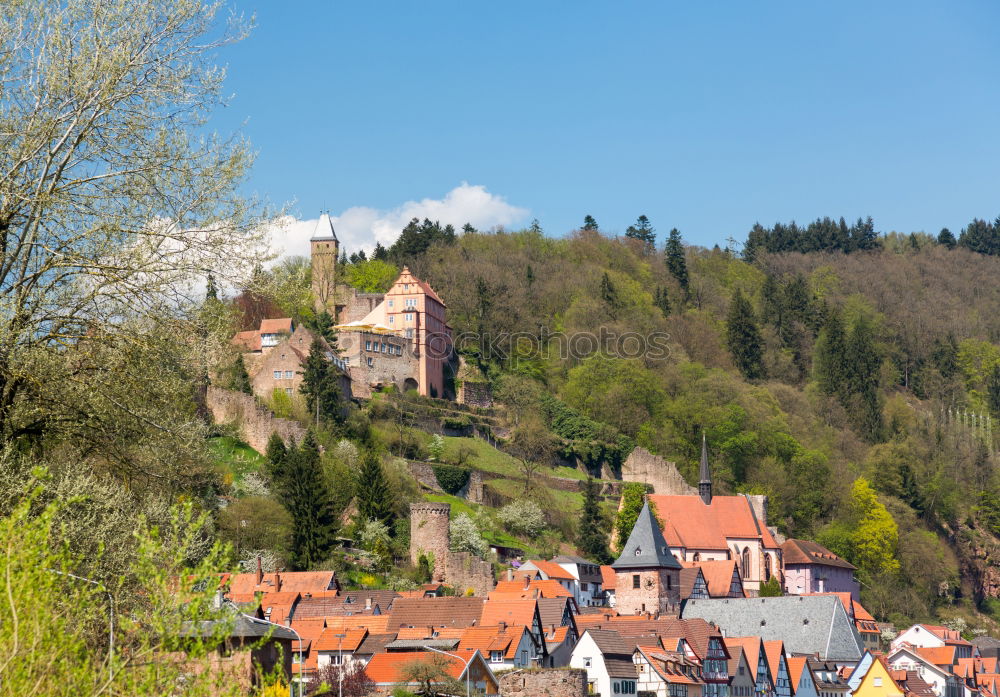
column 696, row 632
column 691, row 523
column 248, row 340
column 735, row 654
column 938, row 655
column 329, row 641
column 515, row 612
column 387, row 668
column 242, row 587
column 557, row 636
column 809, row 552
column 278, row 607
column 718, row 575
column 750, row 645
column 911, row 682
column 377, row 624
column 660, row 660
column 486, row 639
column 774, row 650
column 512, row 590
column 276, row 326
column 608, row 577
column 435, row 612
column 949, row 636
column 552, row 570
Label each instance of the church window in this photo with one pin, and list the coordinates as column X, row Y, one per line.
column 767, row 567
column 746, row 562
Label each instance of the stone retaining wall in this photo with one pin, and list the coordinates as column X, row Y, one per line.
column 554, row 682
column 255, row 423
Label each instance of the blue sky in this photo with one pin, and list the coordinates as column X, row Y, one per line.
column 703, row 116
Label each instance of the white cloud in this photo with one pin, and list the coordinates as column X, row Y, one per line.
column 361, row 227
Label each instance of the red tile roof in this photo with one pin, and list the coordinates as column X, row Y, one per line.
column 809, row 552
column 718, row 575
column 276, row 326
column 435, row 612
column 750, row 645
column 248, row 340
column 938, row 655
column 689, row 522
column 511, row 590
column 513, row 612
column 608, row 578
column 329, row 641
column 774, row 651
column 552, row 570
column 387, row 668
column 486, row 639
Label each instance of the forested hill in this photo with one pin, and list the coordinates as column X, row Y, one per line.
column 857, row 387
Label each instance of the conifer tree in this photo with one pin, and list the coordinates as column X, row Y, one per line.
column 211, row 289
column 609, row 294
column 240, row 378
column 467, row 229
column 675, row 260
column 589, row 223
column 993, row 390
column 307, row 498
column 642, row 230
column 380, row 253
column 863, row 361
column 321, row 384
column 831, row 355
column 536, row 227
column 743, row 338
column 374, row 496
column 276, row 453
column 947, row 238
column 592, row 539
column 662, row 300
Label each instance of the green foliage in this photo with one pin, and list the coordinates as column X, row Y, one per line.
column 589, row 224
column 452, row 479
column 642, row 231
column 275, row 454
column 823, row 234
column 592, row 536
column 372, row 276
column 321, row 384
column 743, row 338
column 374, row 498
column 633, row 496
column 305, row 494
column 947, row 238
column 424, row 571
column 435, row 450
column 981, row 236
column 771, row 588
column 988, row 511
column 417, row 237
column 875, row 535
column 465, row 536
column 522, row 517
column 239, row 379
column 593, row 442
column 616, row 391
column 674, row 257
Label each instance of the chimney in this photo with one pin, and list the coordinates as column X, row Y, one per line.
column 527, row 582
column 552, row 630
column 260, row 571
column 430, row 632
column 368, row 603
column 510, row 574
column 277, row 580
column 503, row 627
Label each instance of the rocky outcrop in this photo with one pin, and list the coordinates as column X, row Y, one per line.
column 979, row 561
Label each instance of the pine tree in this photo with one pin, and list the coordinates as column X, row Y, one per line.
column 593, row 543
column 307, row 498
column 467, row 229
column 675, row 260
column 374, row 497
column 662, row 300
column 642, row 230
column 863, row 361
column 240, row 379
column 947, row 238
column 536, row 227
column 743, row 338
column 321, row 384
column 380, row 253
column 609, row 294
column 211, row 289
column 589, row 223
column 993, row 389
column 276, row 453
column 831, row 356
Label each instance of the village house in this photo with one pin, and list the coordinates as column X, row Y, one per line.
column 759, row 669
column 922, row 662
column 778, row 665
column 715, row 528
column 873, row 679
column 666, row 672
column 722, row 578
column 505, row 646
column 389, row 670
column 800, row 674
column 934, row 636
column 868, row 630
column 587, row 590
column 608, row 662
column 647, row 574
column 812, row 568
column 743, row 676
column 827, row 678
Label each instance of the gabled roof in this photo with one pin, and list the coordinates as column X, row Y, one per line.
column 552, row 610
column 719, row 575
column 773, row 651
column 689, row 577
column 242, row 587
column 280, row 325
column 751, row 646
column 807, row 624
column 513, row 612
column 248, row 340
column 550, row 569
column 691, row 523
column 435, row 612
column 511, row 590
column 487, row 639
column 616, row 653
column 809, row 552
column 330, row 640
column 796, row 666
column 938, row 655
column 912, row 684
column 387, row 668
column 324, row 229
column 608, row 577
column 646, row 548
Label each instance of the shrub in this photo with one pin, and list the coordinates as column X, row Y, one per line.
column 436, row 448
column 457, row 423
column 452, row 479
column 522, row 517
column 465, row 536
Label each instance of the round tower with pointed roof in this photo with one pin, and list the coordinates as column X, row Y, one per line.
column 647, row 576
column 323, row 249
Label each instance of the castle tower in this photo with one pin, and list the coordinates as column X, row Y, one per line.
column 647, row 577
column 323, row 249
column 705, row 485
column 430, row 535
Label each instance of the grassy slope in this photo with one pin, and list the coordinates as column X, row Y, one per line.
column 234, row 458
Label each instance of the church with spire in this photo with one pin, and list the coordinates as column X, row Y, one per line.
column 709, row 527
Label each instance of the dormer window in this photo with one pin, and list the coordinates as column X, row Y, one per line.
column 638, row 551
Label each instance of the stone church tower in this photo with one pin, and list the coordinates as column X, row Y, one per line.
column 324, row 248
column 647, row 576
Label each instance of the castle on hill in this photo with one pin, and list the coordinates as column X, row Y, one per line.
column 399, row 338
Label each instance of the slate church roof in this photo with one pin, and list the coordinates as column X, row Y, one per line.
column 807, row 624
column 646, row 548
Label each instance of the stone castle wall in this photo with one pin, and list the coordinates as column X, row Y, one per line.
column 476, row 394
column 429, row 534
column 645, row 467
column 465, row 571
column 554, row 682
column 255, row 423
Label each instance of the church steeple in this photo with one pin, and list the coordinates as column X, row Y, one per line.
column 705, row 484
